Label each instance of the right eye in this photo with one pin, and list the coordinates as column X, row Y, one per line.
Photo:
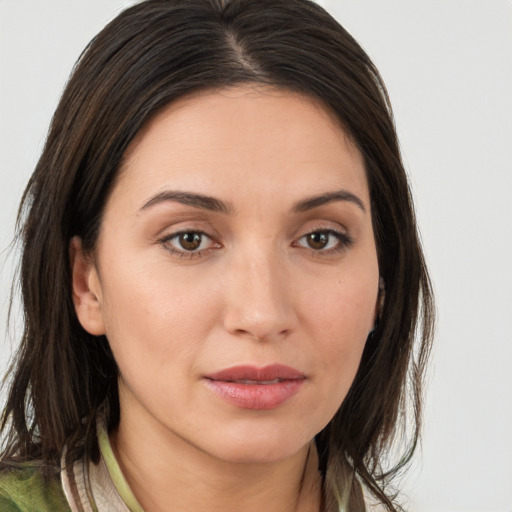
column 188, row 243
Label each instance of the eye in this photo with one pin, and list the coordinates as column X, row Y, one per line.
column 188, row 243
column 326, row 240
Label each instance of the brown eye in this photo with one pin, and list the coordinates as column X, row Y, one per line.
column 318, row 240
column 189, row 244
column 190, row 241
column 325, row 241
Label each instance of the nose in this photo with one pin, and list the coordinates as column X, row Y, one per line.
column 259, row 301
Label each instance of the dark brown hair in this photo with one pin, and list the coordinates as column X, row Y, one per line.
column 150, row 55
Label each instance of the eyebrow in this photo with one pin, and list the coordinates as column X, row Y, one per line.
column 190, row 199
column 216, row 205
column 316, row 201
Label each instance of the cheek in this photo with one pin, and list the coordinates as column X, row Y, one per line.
column 339, row 324
column 340, row 351
column 340, row 359
column 342, row 311
column 154, row 320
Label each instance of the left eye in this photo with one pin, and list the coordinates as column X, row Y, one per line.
column 322, row 240
column 189, row 241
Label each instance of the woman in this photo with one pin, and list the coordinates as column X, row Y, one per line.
column 221, row 273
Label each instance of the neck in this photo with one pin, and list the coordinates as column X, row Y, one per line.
column 165, row 469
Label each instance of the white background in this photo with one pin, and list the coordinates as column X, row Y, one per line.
column 448, row 67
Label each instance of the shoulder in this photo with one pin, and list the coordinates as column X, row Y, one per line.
column 24, row 489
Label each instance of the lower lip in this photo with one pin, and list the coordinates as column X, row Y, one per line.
column 255, row 396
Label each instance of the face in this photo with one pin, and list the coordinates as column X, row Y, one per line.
column 235, row 274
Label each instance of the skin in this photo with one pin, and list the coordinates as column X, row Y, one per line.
column 258, row 293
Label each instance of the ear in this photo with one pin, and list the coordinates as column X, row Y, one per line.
column 86, row 289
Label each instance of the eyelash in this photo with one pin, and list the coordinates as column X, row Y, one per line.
column 344, row 241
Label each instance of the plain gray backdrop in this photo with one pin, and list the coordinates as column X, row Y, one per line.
column 448, row 68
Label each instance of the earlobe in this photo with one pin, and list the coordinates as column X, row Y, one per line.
column 86, row 289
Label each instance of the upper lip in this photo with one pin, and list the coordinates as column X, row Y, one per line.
column 253, row 373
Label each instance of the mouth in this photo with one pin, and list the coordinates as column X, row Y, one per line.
column 247, row 374
column 250, row 387
column 257, row 382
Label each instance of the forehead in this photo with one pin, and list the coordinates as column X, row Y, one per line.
column 248, row 134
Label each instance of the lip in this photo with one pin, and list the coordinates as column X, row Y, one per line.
column 252, row 387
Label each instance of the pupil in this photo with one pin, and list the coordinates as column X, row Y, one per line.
column 318, row 240
column 190, row 241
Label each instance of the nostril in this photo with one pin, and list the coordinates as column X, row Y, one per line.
column 248, row 334
column 263, row 336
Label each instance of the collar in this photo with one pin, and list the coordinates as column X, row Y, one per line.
column 98, row 487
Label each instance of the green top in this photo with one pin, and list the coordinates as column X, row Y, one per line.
column 24, row 490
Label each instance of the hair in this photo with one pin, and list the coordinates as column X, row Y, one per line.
column 149, row 56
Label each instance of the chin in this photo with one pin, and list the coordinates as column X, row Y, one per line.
column 254, row 446
column 257, row 455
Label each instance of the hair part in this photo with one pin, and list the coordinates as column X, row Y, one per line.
column 149, row 56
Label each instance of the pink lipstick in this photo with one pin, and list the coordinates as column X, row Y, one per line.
column 250, row 387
